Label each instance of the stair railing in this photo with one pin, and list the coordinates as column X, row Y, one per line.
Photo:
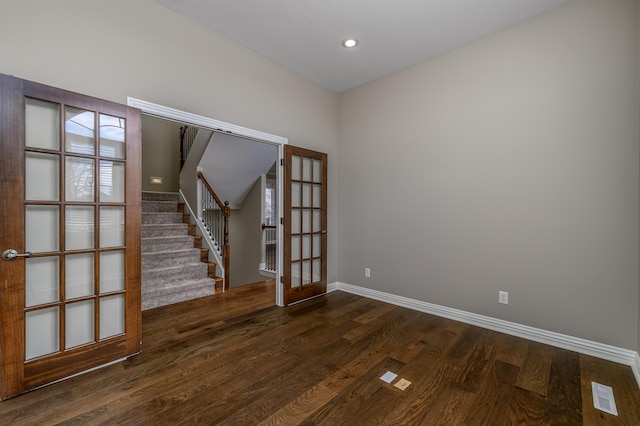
column 215, row 217
column 269, row 240
column 187, row 137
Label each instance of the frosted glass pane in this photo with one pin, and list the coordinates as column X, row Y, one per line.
column 111, row 226
column 111, row 271
column 80, row 177
column 306, row 195
column 80, row 323
column 295, row 167
column 306, row 220
column 79, row 126
column 306, row 272
column 317, row 221
column 42, row 332
column 79, row 227
column 111, row 316
column 42, row 177
column 295, row 194
column 316, row 270
column 317, row 171
column 317, row 195
column 42, row 124
column 317, row 246
column 79, row 275
column 42, row 278
column 306, row 246
column 112, row 136
column 295, row 221
column 111, row 182
column 42, row 228
column 306, row 169
column 295, row 274
column 295, row 248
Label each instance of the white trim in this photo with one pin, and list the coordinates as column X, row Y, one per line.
column 199, row 120
column 576, row 344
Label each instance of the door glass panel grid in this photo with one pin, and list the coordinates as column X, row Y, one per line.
column 61, row 208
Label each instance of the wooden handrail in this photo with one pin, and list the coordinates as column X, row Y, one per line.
column 212, row 192
column 226, row 212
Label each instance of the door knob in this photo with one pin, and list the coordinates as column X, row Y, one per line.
column 11, row 254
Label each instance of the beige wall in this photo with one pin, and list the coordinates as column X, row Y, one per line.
column 245, row 236
column 118, row 48
column 160, row 154
column 511, row 164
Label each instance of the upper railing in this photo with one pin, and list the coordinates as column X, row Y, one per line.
column 215, row 217
column 187, row 136
column 269, row 238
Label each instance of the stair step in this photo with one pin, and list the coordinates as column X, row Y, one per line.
column 163, row 259
column 170, row 293
column 160, row 196
column 183, row 272
column 164, row 230
column 174, row 267
column 176, row 242
column 149, row 218
column 159, row 206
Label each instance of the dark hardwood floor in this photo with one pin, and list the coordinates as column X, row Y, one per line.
column 236, row 359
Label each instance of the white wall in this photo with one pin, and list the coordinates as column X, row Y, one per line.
column 118, row 48
column 511, row 164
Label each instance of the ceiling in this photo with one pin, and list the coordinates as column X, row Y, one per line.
column 305, row 35
column 232, row 165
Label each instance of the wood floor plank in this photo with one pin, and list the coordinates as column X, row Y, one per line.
column 534, row 374
column 564, row 398
column 525, row 408
column 492, row 402
column 234, row 358
column 355, row 395
column 297, row 410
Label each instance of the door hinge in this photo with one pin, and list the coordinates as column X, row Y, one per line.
column 282, row 221
column 282, row 279
column 282, row 162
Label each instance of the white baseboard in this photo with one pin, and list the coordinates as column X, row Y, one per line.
column 576, row 344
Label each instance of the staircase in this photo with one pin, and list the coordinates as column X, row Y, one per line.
column 175, row 267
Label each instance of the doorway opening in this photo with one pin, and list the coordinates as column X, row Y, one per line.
column 235, row 143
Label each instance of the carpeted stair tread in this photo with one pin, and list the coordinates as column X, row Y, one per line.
column 176, row 292
column 151, row 218
column 172, row 268
column 161, row 259
column 159, row 206
column 175, row 242
column 160, row 196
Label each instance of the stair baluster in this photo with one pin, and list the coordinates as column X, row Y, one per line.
column 215, row 217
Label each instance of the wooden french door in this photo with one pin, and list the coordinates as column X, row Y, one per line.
column 70, row 193
column 305, row 224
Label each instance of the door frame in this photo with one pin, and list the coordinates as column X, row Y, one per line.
column 161, row 111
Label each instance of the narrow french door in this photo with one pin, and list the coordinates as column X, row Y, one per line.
column 305, row 224
column 69, row 234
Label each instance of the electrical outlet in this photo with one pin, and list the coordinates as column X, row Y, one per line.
column 503, row 297
column 367, row 272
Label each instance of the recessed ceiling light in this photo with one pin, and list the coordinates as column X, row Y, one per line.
column 350, row 42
